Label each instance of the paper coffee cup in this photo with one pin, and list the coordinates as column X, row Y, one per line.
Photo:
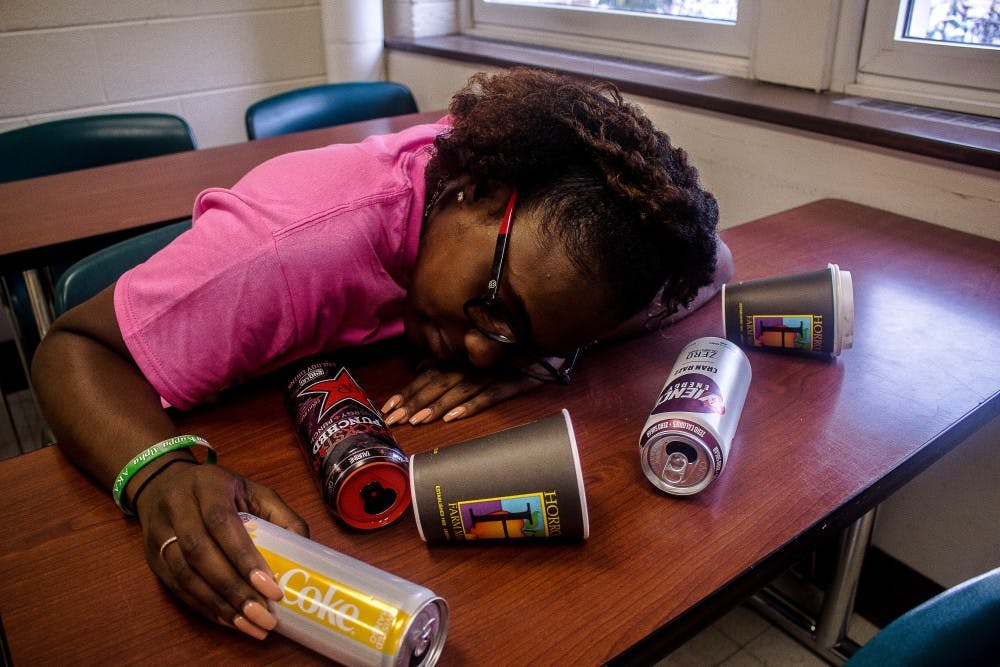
column 523, row 482
column 810, row 312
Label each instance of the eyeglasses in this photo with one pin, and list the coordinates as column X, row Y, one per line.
column 492, row 318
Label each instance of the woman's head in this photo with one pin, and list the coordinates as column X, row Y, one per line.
column 605, row 182
column 596, row 184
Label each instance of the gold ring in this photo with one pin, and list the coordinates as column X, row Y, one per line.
column 167, row 543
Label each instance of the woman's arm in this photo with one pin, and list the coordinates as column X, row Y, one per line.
column 98, row 404
column 103, row 412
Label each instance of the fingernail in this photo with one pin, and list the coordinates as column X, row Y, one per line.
column 265, row 585
column 259, row 615
column 391, row 403
column 246, row 627
column 395, row 416
column 420, row 416
column 454, row 414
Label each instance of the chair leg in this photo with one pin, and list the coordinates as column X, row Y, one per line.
column 9, row 414
column 30, row 440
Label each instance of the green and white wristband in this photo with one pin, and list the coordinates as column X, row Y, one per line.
column 150, row 455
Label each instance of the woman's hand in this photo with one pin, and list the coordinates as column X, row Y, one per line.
column 454, row 393
column 213, row 565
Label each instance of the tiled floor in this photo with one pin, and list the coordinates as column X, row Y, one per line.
column 742, row 638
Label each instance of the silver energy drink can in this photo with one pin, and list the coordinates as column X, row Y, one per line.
column 346, row 610
column 685, row 442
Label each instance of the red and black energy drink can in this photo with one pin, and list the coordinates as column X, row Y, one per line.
column 362, row 472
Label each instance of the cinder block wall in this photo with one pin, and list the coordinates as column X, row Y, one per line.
column 205, row 60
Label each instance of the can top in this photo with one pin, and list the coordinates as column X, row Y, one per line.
column 678, row 464
column 424, row 638
column 374, row 495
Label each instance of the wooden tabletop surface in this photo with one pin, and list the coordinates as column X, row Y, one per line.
column 65, row 215
column 819, row 443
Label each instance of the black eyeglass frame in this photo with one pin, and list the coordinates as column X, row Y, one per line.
column 490, row 308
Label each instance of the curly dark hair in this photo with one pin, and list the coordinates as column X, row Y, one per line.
column 625, row 203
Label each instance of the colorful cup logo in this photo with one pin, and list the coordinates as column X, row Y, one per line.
column 811, row 313
column 523, row 482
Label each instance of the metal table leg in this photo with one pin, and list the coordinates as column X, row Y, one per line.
column 827, row 636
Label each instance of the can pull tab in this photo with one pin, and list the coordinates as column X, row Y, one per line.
column 680, row 457
column 423, row 640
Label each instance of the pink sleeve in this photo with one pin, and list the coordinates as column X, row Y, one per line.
column 214, row 306
column 310, row 251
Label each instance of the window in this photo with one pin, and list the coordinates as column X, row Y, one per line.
column 711, row 35
column 713, row 10
column 942, row 53
column 974, row 22
column 937, row 53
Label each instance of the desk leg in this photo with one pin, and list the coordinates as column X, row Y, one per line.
column 827, row 636
column 41, row 306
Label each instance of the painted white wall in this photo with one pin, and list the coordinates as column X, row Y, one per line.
column 352, row 39
column 946, row 522
column 204, row 60
column 756, row 169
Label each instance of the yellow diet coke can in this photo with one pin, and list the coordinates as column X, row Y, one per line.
column 345, row 609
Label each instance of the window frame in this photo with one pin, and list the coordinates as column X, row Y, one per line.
column 844, row 46
column 885, row 53
column 711, row 46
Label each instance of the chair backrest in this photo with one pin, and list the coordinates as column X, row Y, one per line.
column 80, row 143
column 327, row 105
column 957, row 628
column 89, row 141
column 94, row 272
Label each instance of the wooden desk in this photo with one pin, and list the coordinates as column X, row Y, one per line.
column 50, row 218
column 820, row 443
column 66, row 216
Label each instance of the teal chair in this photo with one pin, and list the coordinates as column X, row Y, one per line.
column 327, row 105
column 94, row 272
column 957, row 628
column 71, row 144
column 89, row 141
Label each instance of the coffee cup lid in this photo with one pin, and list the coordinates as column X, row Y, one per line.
column 843, row 303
